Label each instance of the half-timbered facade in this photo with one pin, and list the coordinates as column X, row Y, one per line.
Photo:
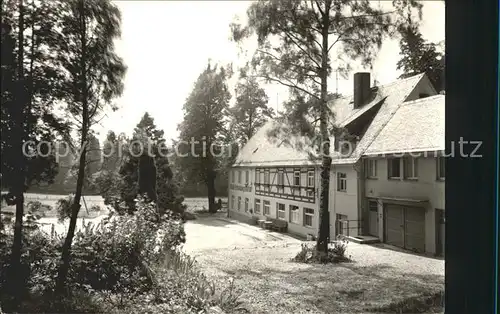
column 283, row 182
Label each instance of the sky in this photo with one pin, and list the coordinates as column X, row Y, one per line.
column 167, row 44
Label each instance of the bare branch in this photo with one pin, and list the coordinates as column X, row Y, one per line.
column 291, row 85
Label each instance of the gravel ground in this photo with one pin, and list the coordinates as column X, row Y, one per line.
column 259, row 262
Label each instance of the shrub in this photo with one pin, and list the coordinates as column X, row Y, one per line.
column 335, row 254
column 34, row 206
column 95, row 208
column 118, row 253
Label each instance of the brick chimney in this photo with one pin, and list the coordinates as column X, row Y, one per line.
column 361, row 88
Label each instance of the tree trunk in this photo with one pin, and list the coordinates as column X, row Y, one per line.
column 212, row 208
column 66, row 249
column 324, row 215
column 19, row 185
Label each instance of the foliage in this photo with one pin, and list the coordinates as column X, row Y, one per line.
column 125, row 264
column 419, row 56
column 63, row 208
column 336, row 254
column 89, row 28
column 295, row 41
column 203, row 128
column 119, row 183
column 250, row 111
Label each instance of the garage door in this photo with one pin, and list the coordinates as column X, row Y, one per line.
column 405, row 227
column 394, row 231
column 415, row 229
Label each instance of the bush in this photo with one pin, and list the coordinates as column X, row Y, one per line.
column 181, row 288
column 125, row 264
column 117, row 254
column 336, row 254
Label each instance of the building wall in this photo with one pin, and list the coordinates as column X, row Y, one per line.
column 294, row 228
column 344, row 203
column 427, row 187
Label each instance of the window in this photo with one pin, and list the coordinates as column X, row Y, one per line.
column 267, row 208
column 239, row 202
column 239, row 176
column 294, row 214
column 247, row 177
column 371, row 168
column 308, row 217
column 257, row 177
column 310, row 193
column 233, row 175
column 393, row 168
column 310, row 178
column 246, row 204
column 281, row 177
column 257, row 206
column 440, row 167
column 296, row 178
column 341, row 182
column 280, row 211
column 410, row 166
column 232, row 203
column 373, row 206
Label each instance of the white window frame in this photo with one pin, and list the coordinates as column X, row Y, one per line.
column 413, row 168
column 341, row 182
column 247, row 177
column 310, row 178
column 267, row 208
column 308, row 214
column 280, row 211
column 257, row 206
column 390, row 168
column 440, row 175
column 239, row 202
column 239, row 176
column 371, row 168
column 294, row 214
column 257, row 176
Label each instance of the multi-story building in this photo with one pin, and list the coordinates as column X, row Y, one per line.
column 368, row 196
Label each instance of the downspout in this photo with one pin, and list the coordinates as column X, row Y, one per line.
column 358, row 167
column 334, row 199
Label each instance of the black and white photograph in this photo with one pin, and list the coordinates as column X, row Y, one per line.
column 270, row 156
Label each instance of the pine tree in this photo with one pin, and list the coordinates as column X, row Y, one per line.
column 250, row 111
column 419, row 56
column 203, row 128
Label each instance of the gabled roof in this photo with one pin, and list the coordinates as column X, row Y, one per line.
column 416, row 126
column 391, row 96
column 264, row 151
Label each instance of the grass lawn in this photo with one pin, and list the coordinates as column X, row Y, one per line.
column 378, row 281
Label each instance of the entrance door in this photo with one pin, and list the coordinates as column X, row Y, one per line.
column 373, row 218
